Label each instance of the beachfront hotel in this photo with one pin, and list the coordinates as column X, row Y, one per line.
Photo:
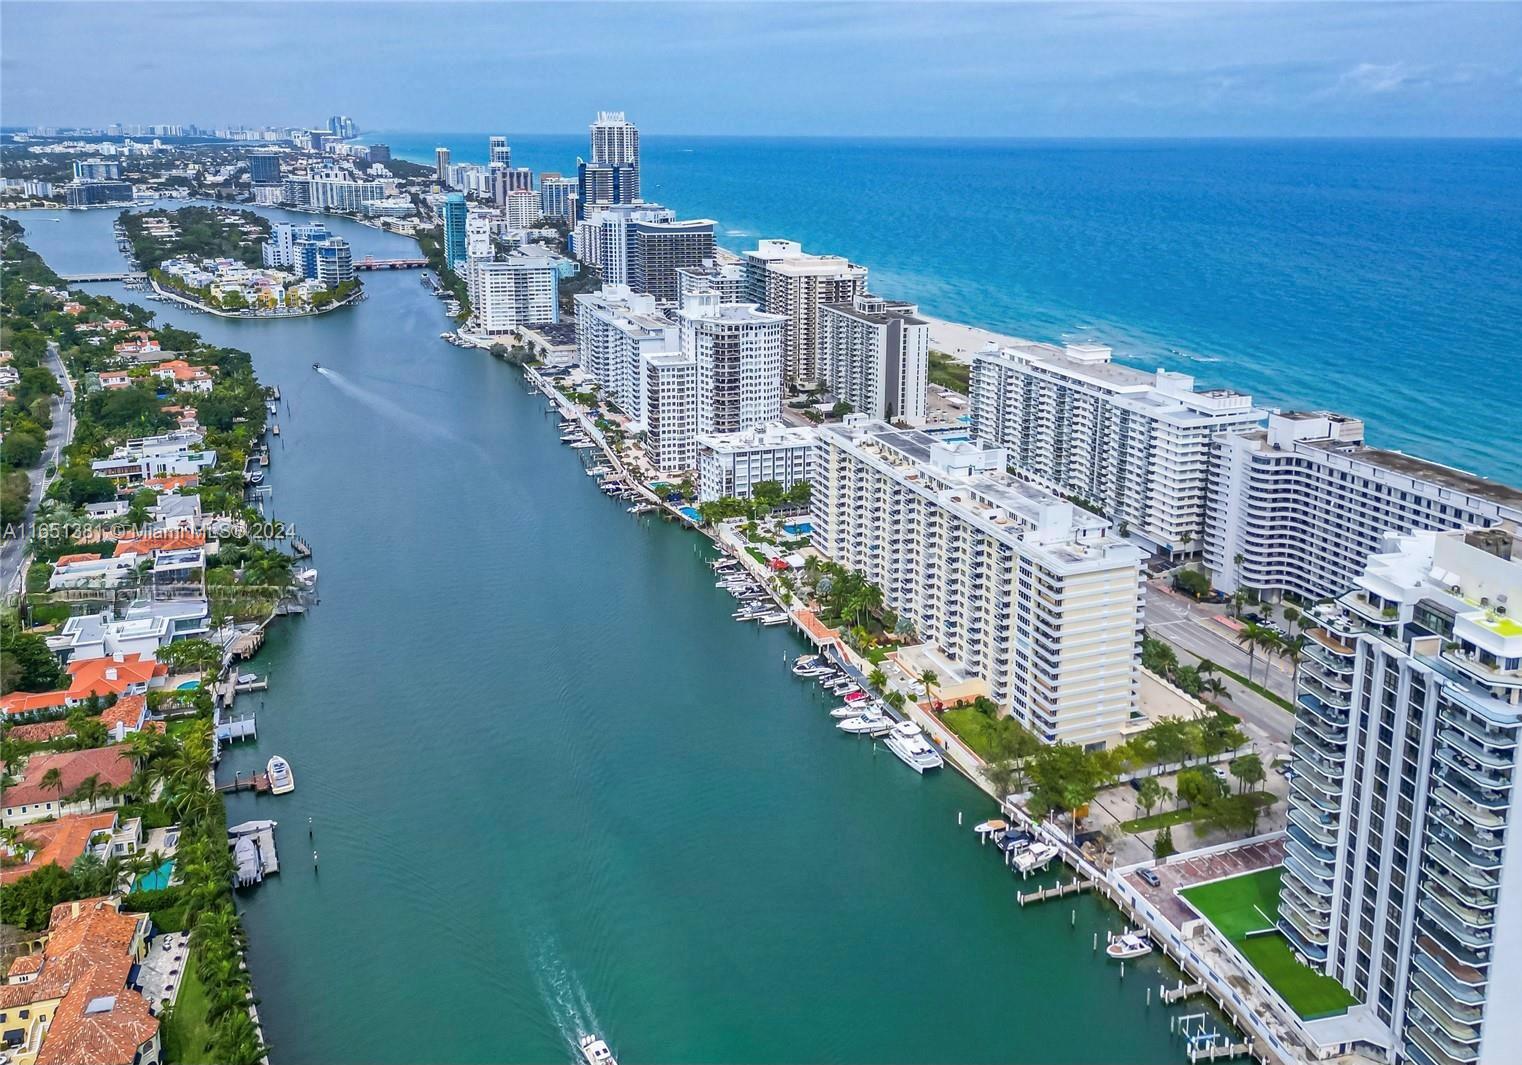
column 1299, row 506
column 781, row 279
column 738, row 351
column 1134, row 444
column 875, row 355
column 505, row 295
column 732, row 464
column 1013, row 584
column 1401, row 878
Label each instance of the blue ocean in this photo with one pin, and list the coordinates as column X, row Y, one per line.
column 1378, row 278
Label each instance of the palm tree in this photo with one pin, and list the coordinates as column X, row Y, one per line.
column 52, row 780
column 1293, row 648
column 1250, row 636
column 877, row 679
column 930, row 679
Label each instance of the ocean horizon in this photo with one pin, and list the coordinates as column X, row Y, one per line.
column 1376, row 277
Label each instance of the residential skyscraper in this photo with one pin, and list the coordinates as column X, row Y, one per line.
column 875, row 355
column 1300, row 506
column 505, row 295
column 781, row 279
column 614, row 139
column 601, row 185
column 455, row 214
column 263, row 168
column 738, row 351
column 556, row 194
column 1134, row 444
column 670, row 411
column 615, row 329
column 441, row 166
column 500, row 153
column 478, row 235
column 732, row 464
column 1014, row 586
column 1401, row 872
column 726, row 278
column 102, row 170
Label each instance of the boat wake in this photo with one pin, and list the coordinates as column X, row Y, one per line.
column 564, row 997
column 395, row 411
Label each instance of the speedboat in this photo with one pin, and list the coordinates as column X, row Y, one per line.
column 595, row 1051
column 844, row 687
column 855, row 697
column 1132, row 943
column 907, row 741
column 257, row 477
column 873, row 723
column 779, row 618
column 1037, row 856
column 282, row 780
column 849, row 710
column 307, row 578
column 317, row 366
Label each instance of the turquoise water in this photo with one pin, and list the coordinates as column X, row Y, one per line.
column 1380, row 278
column 187, row 685
column 692, row 513
column 554, row 787
column 156, row 880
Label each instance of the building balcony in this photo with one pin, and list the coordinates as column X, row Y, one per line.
column 1441, row 1007
column 1483, row 841
column 1494, row 782
column 1455, row 1041
column 1307, row 750
column 1439, row 880
column 1321, row 829
column 1487, row 673
column 1442, row 982
column 1316, row 849
column 1477, row 815
column 1331, row 714
column 1443, row 958
column 1448, row 847
column 1432, row 1050
column 1467, row 745
column 1313, row 797
column 1333, row 738
column 1497, row 738
column 1340, row 699
column 1302, row 939
column 1337, row 680
column 1314, row 873
column 1328, row 784
column 1441, row 933
column 1458, row 921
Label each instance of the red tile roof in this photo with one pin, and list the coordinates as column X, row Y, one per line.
column 128, row 711
column 170, row 540
column 110, row 765
column 58, row 842
column 83, row 556
column 39, row 732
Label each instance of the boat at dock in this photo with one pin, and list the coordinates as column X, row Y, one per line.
column 907, row 741
column 1035, row 857
column 845, row 710
column 595, row 1051
column 873, row 723
column 282, row 780
column 779, row 618
column 1131, row 943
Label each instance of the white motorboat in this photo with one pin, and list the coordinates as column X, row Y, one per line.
column 907, row 741
column 307, row 578
column 1132, row 943
column 844, row 687
column 282, row 780
column 779, row 618
column 247, row 678
column 849, row 710
column 596, row 1051
column 1037, row 856
column 256, row 477
column 875, row 723
column 583, row 445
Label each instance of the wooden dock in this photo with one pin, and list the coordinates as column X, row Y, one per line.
column 1170, row 995
column 1073, row 887
column 253, row 845
column 301, row 547
column 257, row 782
column 1222, row 1052
column 247, row 645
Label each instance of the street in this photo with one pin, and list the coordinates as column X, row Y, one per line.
column 13, row 551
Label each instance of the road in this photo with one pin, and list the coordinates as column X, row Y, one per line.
column 1188, row 626
column 13, row 551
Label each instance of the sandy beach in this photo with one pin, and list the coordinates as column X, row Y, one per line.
column 961, row 342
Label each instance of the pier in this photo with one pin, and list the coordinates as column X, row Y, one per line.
column 1075, row 886
column 1170, row 995
column 105, row 275
column 255, row 782
column 253, row 845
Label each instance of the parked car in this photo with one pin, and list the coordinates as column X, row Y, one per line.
column 1150, row 877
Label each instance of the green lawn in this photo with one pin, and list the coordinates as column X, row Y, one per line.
column 977, row 729
column 1248, row 903
column 187, row 1036
column 1180, row 816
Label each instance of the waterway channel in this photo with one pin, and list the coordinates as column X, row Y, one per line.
column 552, row 785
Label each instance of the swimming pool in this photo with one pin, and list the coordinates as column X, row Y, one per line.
column 692, row 514
column 157, row 880
column 187, row 685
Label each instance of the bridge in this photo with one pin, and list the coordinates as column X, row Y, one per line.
column 370, row 262
column 120, row 275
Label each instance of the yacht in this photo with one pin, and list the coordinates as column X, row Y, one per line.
column 811, row 666
column 257, row 477
column 1132, row 943
column 1037, row 856
column 854, row 710
column 282, row 780
column 781, row 617
column 872, row 723
column 595, row 1051
column 855, row 697
column 307, row 578
column 844, row 686
column 906, row 741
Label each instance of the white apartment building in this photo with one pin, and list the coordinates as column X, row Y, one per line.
column 478, row 226
column 726, row 278
column 521, row 207
column 1300, row 506
column 732, row 464
column 670, row 411
column 1401, row 876
column 615, row 330
column 1008, row 581
column 875, row 355
column 781, row 279
column 1134, row 444
column 342, row 194
column 508, row 294
column 614, row 139
column 738, row 351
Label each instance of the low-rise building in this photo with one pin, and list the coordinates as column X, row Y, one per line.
column 110, row 768
column 732, row 464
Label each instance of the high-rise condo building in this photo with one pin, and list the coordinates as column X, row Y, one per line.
column 614, row 139
column 500, row 153
column 441, row 167
column 505, row 295
column 601, row 185
column 106, row 170
column 643, row 246
column 334, row 262
column 378, row 153
column 615, row 329
column 1298, row 507
column 738, row 352
column 1134, row 444
column 781, row 279
column 478, row 235
column 726, row 278
column 732, row 464
column 521, row 208
column 555, row 196
column 875, row 355
column 279, row 251
column 455, row 213
column 1402, row 875
column 1014, row 585
column 670, row 411
column 264, row 168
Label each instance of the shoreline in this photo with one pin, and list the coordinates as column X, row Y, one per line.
column 352, row 298
column 962, row 342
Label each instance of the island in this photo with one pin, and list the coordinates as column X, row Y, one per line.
column 238, row 264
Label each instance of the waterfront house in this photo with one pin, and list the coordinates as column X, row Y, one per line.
column 140, row 343
column 28, row 801
column 115, row 380
column 183, row 377
column 118, row 674
column 71, row 1003
column 97, row 572
column 64, row 841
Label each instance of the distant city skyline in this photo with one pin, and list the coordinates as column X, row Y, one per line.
column 865, row 69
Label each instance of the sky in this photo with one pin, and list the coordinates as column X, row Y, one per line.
column 825, row 69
